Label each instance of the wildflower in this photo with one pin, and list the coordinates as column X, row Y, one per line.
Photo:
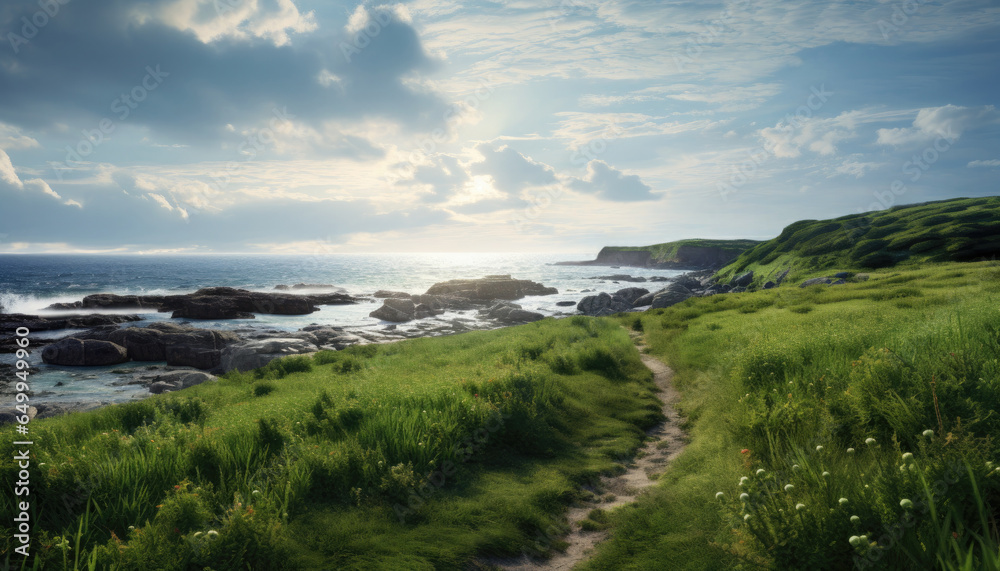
column 719, row 495
column 745, row 496
column 854, row 540
column 905, row 504
column 255, row 493
column 760, row 471
column 212, row 534
column 746, row 517
column 800, row 507
column 869, row 441
column 908, row 457
column 131, row 527
column 855, row 519
column 745, row 451
column 743, row 480
column 795, row 467
column 928, row 433
column 826, row 474
column 842, row 501
column 789, row 487
column 197, row 535
column 819, row 449
column 850, row 451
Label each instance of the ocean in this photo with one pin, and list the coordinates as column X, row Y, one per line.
column 30, row 283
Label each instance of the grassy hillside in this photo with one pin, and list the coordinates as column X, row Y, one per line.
column 822, row 417
column 963, row 229
column 416, row 455
column 667, row 252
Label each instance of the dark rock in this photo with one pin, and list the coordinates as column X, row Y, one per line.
column 742, row 280
column 178, row 380
column 219, row 302
column 671, row 295
column 9, row 322
column 628, row 295
column 84, row 353
column 621, row 278
column 506, row 312
column 781, row 277
column 716, row 289
column 839, row 282
column 688, row 281
column 843, row 275
column 602, row 304
column 491, row 288
column 11, row 415
column 382, row 293
column 175, row 344
column 644, row 300
column 816, row 281
column 738, row 289
column 565, row 303
column 250, row 355
column 396, row 310
column 770, row 285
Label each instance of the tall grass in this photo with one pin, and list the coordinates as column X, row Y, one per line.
column 280, row 467
column 859, row 434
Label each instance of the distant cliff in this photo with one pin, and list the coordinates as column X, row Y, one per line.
column 679, row 254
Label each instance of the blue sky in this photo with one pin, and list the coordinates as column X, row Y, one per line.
column 564, row 125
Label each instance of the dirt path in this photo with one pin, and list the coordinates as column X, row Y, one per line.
column 665, row 442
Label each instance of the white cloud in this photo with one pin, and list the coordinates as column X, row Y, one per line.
column 948, row 121
column 820, row 135
column 610, row 183
column 10, row 180
column 212, row 20
column 12, row 138
column 987, row 164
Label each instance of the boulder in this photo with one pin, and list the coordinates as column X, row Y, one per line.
column 688, row 281
column 219, row 302
column 601, row 304
column 716, row 289
column 491, row 288
column 11, row 415
column 178, row 380
column 384, row 293
column 671, row 295
column 506, row 312
column 644, row 300
column 628, row 295
column 565, row 303
column 620, row 278
column 742, row 280
column 250, row 355
column 816, row 281
column 163, row 341
column 395, row 310
column 770, row 285
column 74, row 352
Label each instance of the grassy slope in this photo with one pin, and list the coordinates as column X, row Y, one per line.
column 778, row 373
column 963, row 229
column 308, row 463
column 667, row 252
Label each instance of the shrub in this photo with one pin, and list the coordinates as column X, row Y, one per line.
column 263, row 389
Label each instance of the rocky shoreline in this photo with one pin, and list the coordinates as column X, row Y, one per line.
column 181, row 355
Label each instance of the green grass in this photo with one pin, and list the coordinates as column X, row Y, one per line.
column 668, row 251
column 424, row 454
column 962, row 229
column 786, row 387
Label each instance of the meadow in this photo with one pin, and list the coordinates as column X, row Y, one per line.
column 833, row 427
column 425, row 454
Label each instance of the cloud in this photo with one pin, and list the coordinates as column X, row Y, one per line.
column 512, row 172
column 987, row 164
column 12, row 138
column 948, row 121
column 611, row 184
column 443, row 178
column 10, row 182
column 790, row 136
column 263, row 55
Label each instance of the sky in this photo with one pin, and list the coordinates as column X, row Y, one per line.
column 311, row 126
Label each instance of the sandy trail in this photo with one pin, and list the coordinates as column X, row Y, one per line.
column 664, row 443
